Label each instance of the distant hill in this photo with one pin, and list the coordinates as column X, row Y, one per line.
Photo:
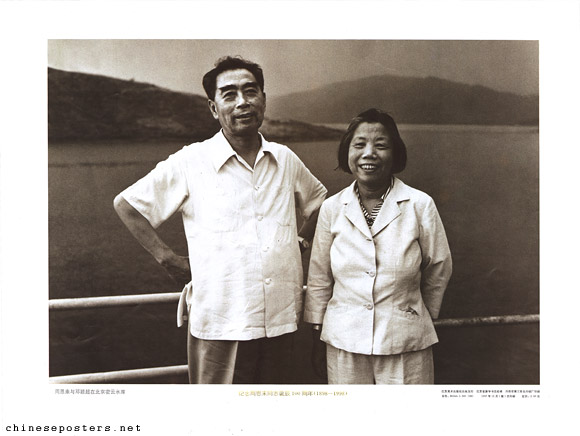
column 409, row 100
column 86, row 106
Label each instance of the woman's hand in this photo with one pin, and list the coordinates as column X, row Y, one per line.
column 318, row 357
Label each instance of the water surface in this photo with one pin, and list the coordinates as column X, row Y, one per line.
column 485, row 183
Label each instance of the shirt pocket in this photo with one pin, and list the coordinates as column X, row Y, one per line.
column 283, row 205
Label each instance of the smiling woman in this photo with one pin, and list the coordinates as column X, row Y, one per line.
column 372, row 150
column 379, row 267
column 370, row 159
column 370, row 156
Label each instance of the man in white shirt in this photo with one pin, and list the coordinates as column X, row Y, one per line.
column 238, row 195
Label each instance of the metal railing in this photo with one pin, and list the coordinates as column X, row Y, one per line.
column 115, row 301
column 181, row 370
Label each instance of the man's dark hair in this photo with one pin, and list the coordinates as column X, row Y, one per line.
column 228, row 63
column 374, row 116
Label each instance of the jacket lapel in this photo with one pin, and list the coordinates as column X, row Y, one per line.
column 390, row 209
column 353, row 211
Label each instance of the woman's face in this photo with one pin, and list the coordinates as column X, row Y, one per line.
column 370, row 155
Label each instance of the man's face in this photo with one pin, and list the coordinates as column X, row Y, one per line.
column 239, row 103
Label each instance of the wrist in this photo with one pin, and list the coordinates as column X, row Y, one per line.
column 304, row 243
column 165, row 256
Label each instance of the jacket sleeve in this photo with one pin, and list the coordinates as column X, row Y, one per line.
column 320, row 281
column 436, row 263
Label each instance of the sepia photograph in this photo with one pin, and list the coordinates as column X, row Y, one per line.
column 466, row 116
column 323, row 216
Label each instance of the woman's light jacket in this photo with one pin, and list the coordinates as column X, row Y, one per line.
column 377, row 290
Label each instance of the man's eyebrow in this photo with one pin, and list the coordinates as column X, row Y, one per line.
column 226, row 88
column 250, row 85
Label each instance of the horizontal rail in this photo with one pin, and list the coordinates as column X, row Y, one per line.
column 487, row 320
column 173, row 297
column 181, row 370
column 117, row 300
column 121, row 376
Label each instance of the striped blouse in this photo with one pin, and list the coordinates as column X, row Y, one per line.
column 371, row 216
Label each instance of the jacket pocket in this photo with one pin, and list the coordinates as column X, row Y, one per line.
column 408, row 312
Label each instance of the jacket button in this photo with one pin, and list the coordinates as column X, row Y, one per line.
column 371, row 273
column 369, row 306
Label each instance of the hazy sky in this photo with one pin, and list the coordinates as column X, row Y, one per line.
column 296, row 65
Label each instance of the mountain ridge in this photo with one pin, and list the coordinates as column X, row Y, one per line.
column 90, row 106
column 85, row 106
column 429, row 100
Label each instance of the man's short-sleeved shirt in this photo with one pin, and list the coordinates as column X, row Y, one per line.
column 240, row 225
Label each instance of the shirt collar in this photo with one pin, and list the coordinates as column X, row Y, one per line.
column 221, row 150
column 357, row 192
column 399, row 192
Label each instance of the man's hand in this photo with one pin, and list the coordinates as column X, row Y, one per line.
column 176, row 266
column 178, row 269
column 303, row 244
column 318, row 357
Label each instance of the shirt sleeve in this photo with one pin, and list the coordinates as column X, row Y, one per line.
column 159, row 194
column 320, row 279
column 308, row 190
column 436, row 264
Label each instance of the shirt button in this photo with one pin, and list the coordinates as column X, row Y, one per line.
column 256, row 187
column 369, row 306
column 264, row 249
column 260, row 217
column 371, row 273
column 268, row 281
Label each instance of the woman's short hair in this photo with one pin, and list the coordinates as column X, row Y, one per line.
column 373, row 116
column 228, row 63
